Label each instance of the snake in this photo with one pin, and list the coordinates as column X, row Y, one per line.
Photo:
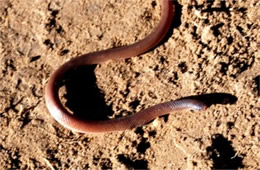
column 77, row 124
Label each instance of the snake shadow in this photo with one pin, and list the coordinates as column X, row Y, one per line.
column 87, row 101
column 83, row 97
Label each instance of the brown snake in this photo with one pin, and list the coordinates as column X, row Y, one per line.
column 61, row 114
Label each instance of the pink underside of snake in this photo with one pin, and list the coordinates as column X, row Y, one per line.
column 62, row 115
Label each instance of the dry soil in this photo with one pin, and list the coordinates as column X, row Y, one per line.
column 212, row 51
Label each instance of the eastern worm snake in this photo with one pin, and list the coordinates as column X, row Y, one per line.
column 62, row 115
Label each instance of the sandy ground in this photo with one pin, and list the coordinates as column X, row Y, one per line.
column 212, row 50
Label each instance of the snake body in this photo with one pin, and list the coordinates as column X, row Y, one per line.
column 61, row 114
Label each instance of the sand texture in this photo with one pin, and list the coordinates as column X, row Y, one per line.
column 212, row 50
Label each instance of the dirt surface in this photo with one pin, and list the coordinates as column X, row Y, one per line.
column 212, row 50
